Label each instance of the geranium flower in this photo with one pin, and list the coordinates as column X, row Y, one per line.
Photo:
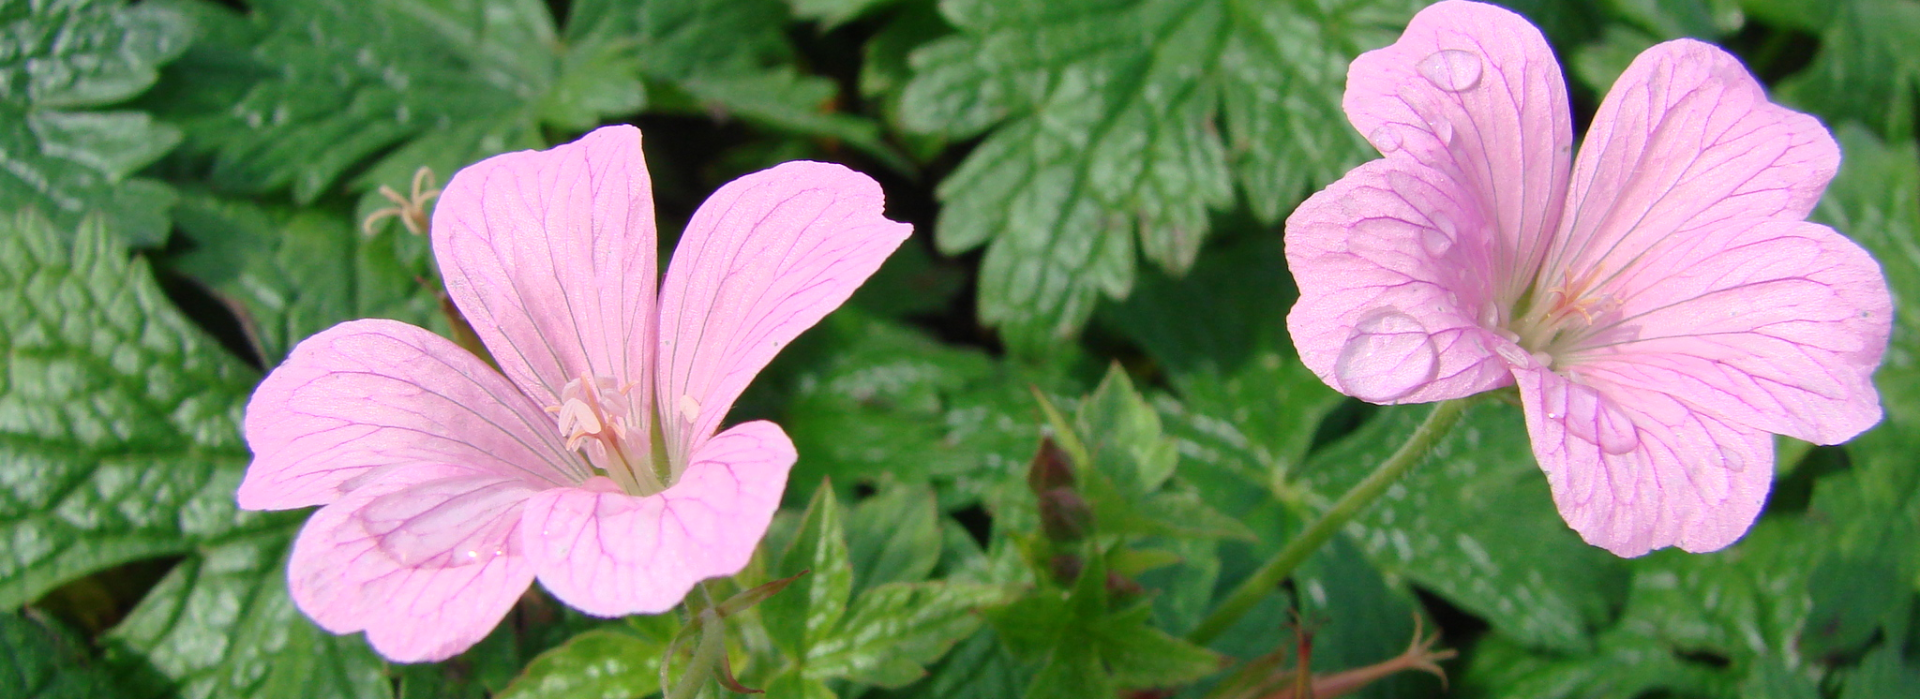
column 1662, row 304
column 589, row 460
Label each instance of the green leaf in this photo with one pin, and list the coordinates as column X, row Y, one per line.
column 60, row 59
column 895, row 629
column 39, row 660
column 221, row 624
column 290, row 273
column 1866, row 70
column 1127, row 483
column 881, row 401
column 604, row 663
column 1475, row 522
column 894, row 537
column 1113, row 125
column 1085, row 644
column 794, row 685
column 119, row 420
column 833, row 13
column 805, row 613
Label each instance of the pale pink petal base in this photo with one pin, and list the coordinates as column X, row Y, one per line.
column 367, row 396
column 611, row 554
column 1634, row 470
column 1392, row 263
column 458, row 531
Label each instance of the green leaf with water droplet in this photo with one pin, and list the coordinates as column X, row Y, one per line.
column 61, row 60
column 1115, row 125
column 119, row 420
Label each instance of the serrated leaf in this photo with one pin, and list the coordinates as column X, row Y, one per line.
column 605, row 664
column 221, row 624
column 59, row 59
column 119, row 421
column 39, row 661
column 805, row 613
column 1476, row 524
column 893, row 537
column 1082, row 642
column 290, row 273
column 894, row 630
column 888, row 402
column 1116, row 123
column 1127, row 482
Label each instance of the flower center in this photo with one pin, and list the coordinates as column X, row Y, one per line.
column 1566, row 314
column 593, row 415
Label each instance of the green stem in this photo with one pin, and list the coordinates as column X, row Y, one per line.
column 713, row 642
column 1264, row 580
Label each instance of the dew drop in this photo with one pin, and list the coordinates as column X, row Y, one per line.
column 1438, row 238
column 1442, row 130
column 1452, row 70
column 1386, row 138
column 1732, row 460
column 1388, row 355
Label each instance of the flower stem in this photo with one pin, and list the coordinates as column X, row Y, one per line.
column 1263, row 581
column 713, row 645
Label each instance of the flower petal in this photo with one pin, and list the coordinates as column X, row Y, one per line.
column 1634, row 470
column 368, row 395
column 609, row 554
column 1393, row 267
column 1474, row 91
column 550, row 255
column 1686, row 139
column 461, row 528
column 766, row 257
column 1776, row 325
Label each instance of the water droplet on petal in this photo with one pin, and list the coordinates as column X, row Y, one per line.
column 1452, row 70
column 1438, row 239
column 1388, row 355
column 1732, row 459
column 1386, row 138
column 1443, row 130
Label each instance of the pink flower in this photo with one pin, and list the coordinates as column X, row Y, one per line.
column 592, row 464
column 1661, row 303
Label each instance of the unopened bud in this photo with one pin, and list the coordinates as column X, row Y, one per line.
column 1064, row 516
column 1050, row 469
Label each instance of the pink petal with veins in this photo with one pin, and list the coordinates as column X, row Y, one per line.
column 426, row 560
column 367, row 396
column 1775, row 325
column 607, row 553
column 764, row 258
column 1392, row 264
column 1474, row 91
column 1634, row 470
column 1685, row 140
column 550, row 256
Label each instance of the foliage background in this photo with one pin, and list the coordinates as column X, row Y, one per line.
column 1097, row 187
